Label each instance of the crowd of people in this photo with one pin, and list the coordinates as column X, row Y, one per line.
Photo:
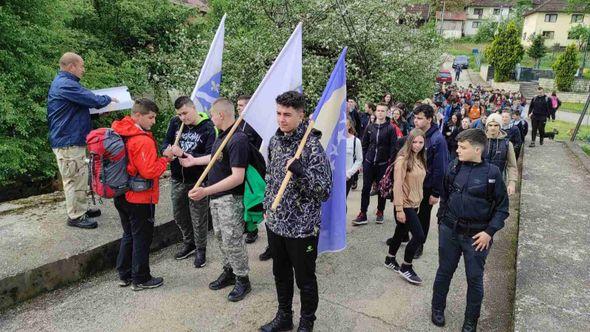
column 458, row 148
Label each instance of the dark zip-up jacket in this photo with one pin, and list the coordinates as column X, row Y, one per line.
column 379, row 143
column 196, row 140
column 469, row 201
column 299, row 212
column 68, row 104
column 437, row 160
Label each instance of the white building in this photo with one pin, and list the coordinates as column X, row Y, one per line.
column 480, row 11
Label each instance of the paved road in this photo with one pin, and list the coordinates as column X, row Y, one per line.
column 357, row 293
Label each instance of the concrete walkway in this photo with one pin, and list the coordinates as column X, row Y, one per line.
column 553, row 267
column 357, row 293
column 571, row 117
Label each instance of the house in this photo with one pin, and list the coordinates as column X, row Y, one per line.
column 421, row 11
column 552, row 19
column 480, row 11
column 451, row 25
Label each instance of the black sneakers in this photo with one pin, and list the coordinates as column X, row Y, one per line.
column 226, row 278
column 83, row 222
column 200, row 258
column 265, row 255
column 407, row 272
column 305, row 325
column 532, row 145
column 251, row 237
column 154, row 282
column 241, row 289
column 185, row 252
column 469, row 325
column 391, row 263
column 361, row 219
column 283, row 321
column 438, row 317
column 93, row 213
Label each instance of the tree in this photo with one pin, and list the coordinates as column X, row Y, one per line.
column 537, row 50
column 581, row 33
column 505, row 51
column 579, row 6
column 486, row 32
column 565, row 68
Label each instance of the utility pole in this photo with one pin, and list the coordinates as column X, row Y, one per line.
column 442, row 18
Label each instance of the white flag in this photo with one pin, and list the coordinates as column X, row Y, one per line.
column 285, row 74
column 206, row 90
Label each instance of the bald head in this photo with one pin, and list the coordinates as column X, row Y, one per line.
column 72, row 63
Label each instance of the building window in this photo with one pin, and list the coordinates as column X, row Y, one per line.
column 577, row 18
column 548, row 34
column 551, row 18
column 478, row 11
column 496, row 11
column 475, row 24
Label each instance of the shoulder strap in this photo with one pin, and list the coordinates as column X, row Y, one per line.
column 354, row 149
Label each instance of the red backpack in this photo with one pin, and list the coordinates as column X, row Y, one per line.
column 108, row 163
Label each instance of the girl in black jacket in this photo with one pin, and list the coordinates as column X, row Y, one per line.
column 450, row 131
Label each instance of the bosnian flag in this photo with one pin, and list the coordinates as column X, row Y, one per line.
column 206, row 90
column 330, row 118
column 285, row 74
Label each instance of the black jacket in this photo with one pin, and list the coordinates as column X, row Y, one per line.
column 253, row 136
column 195, row 140
column 379, row 143
column 474, row 198
column 540, row 107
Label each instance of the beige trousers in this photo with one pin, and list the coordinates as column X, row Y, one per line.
column 73, row 168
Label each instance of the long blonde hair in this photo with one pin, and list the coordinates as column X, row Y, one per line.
column 408, row 155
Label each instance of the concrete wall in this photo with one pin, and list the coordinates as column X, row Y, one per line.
column 485, row 72
column 488, row 14
column 451, row 29
column 507, row 86
column 580, row 85
column 572, row 97
column 535, row 24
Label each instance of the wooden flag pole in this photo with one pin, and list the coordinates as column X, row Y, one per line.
column 219, row 151
column 179, row 134
column 288, row 176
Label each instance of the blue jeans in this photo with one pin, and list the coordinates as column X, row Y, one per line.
column 450, row 248
column 137, row 221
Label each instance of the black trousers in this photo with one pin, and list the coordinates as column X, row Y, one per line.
column 137, row 221
column 413, row 225
column 538, row 125
column 297, row 255
column 425, row 212
column 372, row 173
column 451, row 246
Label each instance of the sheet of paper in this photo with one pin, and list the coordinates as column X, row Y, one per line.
column 121, row 93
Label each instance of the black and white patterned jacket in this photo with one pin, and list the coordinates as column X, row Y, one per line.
column 298, row 214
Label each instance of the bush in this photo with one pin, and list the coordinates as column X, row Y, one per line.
column 537, row 49
column 486, row 32
column 565, row 68
column 505, row 51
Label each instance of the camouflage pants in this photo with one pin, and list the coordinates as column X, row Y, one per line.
column 71, row 162
column 190, row 216
column 227, row 212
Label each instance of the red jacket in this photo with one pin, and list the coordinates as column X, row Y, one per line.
column 143, row 159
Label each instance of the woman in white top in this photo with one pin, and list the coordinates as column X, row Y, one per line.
column 354, row 155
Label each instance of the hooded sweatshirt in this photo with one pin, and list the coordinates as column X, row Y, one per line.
column 195, row 140
column 494, row 148
column 143, row 160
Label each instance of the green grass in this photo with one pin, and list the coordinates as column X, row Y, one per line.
column 586, row 148
column 586, row 73
column 459, row 47
column 571, row 107
column 565, row 130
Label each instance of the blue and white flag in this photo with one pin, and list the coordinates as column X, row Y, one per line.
column 206, row 90
column 330, row 119
column 285, row 74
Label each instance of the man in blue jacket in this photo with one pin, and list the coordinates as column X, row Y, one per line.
column 473, row 207
column 68, row 117
column 437, row 160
